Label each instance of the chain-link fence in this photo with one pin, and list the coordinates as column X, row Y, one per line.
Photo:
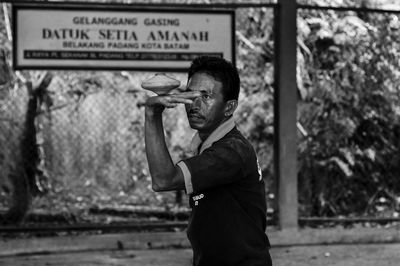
column 72, row 147
column 349, row 110
column 72, row 150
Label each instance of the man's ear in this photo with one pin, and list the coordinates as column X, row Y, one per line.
column 230, row 107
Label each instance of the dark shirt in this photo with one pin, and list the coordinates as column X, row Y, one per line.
column 228, row 220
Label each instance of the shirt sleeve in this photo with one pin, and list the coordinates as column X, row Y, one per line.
column 187, row 177
column 218, row 165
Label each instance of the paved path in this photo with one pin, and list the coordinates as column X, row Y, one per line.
column 331, row 255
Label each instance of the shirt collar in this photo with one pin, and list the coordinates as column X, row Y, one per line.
column 216, row 135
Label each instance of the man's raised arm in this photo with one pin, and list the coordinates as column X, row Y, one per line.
column 164, row 174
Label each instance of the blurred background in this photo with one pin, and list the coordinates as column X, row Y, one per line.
column 72, row 150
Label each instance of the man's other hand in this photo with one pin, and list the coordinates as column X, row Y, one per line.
column 160, row 102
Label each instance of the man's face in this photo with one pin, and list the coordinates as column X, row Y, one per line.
column 207, row 111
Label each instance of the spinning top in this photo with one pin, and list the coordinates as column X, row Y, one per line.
column 160, row 84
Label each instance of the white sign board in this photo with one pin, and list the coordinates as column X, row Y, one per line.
column 118, row 37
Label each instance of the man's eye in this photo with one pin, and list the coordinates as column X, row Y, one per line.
column 206, row 96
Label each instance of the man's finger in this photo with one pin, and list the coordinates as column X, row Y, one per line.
column 174, row 99
column 171, row 105
column 187, row 94
column 183, row 101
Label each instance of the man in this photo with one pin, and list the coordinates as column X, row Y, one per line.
column 227, row 195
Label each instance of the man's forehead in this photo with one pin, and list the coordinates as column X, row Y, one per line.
column 203, row 82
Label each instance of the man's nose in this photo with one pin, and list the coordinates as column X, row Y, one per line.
column 196, row 103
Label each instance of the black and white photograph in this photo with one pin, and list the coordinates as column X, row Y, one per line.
column 200, row 132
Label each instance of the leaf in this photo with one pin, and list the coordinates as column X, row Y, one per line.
column 342, row 166
column 370, row 153
column 348, row 155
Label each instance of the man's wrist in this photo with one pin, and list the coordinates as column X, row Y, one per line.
column 152, row 111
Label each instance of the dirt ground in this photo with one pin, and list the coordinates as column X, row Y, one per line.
column 316, row 255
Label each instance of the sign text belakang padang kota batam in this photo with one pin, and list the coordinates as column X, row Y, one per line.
column 72, row 37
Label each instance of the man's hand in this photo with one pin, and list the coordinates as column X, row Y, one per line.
column 159, row 103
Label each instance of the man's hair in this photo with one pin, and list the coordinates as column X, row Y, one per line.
column 221, row 70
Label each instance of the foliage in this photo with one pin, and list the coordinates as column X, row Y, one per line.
column 351, row 112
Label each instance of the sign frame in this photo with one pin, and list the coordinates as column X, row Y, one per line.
column 78, row 6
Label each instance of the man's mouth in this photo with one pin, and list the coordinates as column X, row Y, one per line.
column 195, row 116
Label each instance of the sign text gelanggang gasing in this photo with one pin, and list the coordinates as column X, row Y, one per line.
column 94, row 38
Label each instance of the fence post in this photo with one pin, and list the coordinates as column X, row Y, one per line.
column 285, row 113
